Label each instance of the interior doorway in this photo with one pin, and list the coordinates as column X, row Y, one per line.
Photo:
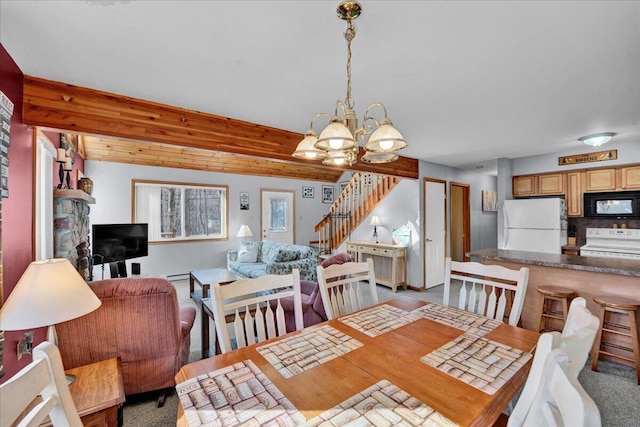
column 460, row 221
column 277, row 215
column 434, row 238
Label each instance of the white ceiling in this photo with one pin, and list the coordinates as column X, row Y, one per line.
column 466, row 82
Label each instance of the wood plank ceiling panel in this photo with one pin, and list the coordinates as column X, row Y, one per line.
column 55, row 105
column 155, row 154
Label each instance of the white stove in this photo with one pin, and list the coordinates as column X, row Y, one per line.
column 612, row 243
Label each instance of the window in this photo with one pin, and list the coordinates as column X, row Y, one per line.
column 180, row 211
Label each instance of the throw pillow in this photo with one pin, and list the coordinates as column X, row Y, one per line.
column 248, row 254
column 286, row 255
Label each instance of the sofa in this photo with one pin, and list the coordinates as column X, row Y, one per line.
column 140, row 322
column 257, row 258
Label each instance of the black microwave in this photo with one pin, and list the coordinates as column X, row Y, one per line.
column 622, row 204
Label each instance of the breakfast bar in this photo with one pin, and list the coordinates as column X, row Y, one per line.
column 587, row 276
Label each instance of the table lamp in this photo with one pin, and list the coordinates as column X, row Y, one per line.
column 375, row 221
column 50, row 291
column 244, row 231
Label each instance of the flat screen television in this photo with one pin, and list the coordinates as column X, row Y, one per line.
column 117, row 242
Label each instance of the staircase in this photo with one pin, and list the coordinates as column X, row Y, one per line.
column 351, row 207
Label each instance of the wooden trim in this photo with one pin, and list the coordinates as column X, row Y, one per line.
column 81, row 110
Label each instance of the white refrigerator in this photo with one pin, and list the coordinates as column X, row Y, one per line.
column 535, row 225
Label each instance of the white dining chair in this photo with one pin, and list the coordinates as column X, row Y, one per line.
column 561, row 400
column 343, row 289
column 252, row 309
column 484, row 289
column 576, row 341
column 37, row 390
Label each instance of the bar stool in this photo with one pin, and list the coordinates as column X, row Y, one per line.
column 626, row 307
column 549, row 295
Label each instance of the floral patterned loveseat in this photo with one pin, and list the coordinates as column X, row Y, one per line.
column 254, row 259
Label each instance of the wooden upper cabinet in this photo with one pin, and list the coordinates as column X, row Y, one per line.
column 574, row 194
column 539, row 185
column 630, row 178
column 524, row 185
column 600, row 179
column 552, row 183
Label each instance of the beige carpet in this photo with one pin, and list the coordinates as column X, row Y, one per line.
column 613, row 388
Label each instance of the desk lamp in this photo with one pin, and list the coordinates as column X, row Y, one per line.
column 50, row 291
column 375, row 221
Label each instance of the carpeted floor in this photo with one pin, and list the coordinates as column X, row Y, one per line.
column 613, row 388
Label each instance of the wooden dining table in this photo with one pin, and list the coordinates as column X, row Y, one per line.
column 394, row 356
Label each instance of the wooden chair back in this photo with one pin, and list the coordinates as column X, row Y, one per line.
column 253, row 308
column 561, row 400
column 342, row 289
column 38, row 390
column 485, row 289
column 579, row 333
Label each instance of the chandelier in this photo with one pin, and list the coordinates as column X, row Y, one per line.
column 338, row 143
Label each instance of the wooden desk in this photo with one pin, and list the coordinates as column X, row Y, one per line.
column 389, row 261
column 393, row 356
column 98, row 393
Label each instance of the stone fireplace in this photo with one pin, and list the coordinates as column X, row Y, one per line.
column 71, row 228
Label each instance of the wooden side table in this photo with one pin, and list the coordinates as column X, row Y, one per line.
column 98, row 393
column 390, row 261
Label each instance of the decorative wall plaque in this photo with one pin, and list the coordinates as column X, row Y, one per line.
column 588, row 157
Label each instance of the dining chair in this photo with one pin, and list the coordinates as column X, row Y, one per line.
column 560, row 399
column 575, row 340
column 253, row 309
column 343, row 290
column 37, row 390
column 485, row 289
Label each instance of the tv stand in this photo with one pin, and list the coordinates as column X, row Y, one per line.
column 118, row 269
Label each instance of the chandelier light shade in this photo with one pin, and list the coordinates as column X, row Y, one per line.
column 597, row 139
column 339, row 143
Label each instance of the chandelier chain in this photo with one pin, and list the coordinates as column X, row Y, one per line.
column 349, row 35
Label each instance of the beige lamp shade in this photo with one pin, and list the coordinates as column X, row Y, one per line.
column 306, row 148
column 375, row 221
column 385, row 139
column 49, row 292
column 336, row 136
column 244, row 231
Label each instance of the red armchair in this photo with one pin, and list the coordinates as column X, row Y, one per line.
column 140, row 322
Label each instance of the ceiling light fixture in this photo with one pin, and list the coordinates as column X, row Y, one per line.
column 597, row 139
column 338, row 143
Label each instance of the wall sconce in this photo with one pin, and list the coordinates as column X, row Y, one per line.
column 375, row 221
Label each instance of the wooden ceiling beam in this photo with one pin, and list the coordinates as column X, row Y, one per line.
column 66, row 107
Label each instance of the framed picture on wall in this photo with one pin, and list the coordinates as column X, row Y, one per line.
column 327, row 194
column 244, row 200
column 489, row 201
column 343, row 184
column 307, row 192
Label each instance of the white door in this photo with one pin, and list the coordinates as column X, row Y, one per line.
column 434, row 232
column 277, row 219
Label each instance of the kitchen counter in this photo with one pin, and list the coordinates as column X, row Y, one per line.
column 571, row 262
column 587, row 276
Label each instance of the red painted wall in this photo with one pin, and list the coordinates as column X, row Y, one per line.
column 17, row 209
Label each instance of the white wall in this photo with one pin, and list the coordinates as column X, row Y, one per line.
column 112, row 191
column 628, row 152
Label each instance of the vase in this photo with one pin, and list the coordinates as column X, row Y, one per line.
column 86, row 185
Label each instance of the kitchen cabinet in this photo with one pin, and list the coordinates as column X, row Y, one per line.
column 574, row 200
column 600, row 179
column 524, row 185
column 550, row 184
column 630, row 178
